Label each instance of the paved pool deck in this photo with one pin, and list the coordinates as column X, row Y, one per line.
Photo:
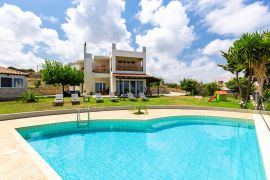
column 18, row 160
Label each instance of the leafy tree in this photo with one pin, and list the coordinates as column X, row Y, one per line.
column 54, row 72
column 234, row 66
column 188, row 85
column 252, row 51
column 234, row 86
column 210, row 88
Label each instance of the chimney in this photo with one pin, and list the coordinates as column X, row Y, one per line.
column 84, row 48
column 113, row 46
column 144, row 49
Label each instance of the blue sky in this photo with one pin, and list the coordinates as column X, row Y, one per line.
column 183, row 38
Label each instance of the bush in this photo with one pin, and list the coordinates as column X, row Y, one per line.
column 266, row 94
column 189, row 85
column 29, row 97
column 210, row 88
column 37, row 83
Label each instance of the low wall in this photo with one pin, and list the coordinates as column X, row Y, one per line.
column 11, row 93
column 70, row 111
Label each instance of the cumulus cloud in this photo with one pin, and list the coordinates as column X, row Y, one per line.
column 217, row 45
column 51, row 19
column 170, row 35
column 25, row 43
column 21, row 34
column 148, row 8
column 236, row 18
column 231, row 17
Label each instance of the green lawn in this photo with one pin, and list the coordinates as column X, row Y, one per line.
column 46, row 103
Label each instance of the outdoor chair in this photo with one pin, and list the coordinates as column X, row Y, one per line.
column 143, row 97
column 99, row 98
column 59, row 100
column 113, row 97
column 75, row 99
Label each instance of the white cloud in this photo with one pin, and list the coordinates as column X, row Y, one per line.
column 217, row 45
column 20, row 36
column 51, row 19
column 231, row 17
column 236, row 18
column 99, row 23
column 148, row 8
column 171, row 33
column 23, row 40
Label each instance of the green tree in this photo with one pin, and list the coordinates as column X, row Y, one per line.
column 233, row 66
column 55, row 72
column 234, row 86
column 188, row 85
column 210, row 88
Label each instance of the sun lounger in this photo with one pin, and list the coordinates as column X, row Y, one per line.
column 59, row 100
column 75, row 99
column 113, row 97
column 99, row 98
column 143, row 97
column 131, row 97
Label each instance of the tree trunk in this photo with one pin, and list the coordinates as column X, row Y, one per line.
column 260, row 89
column 248, row 87
column 238, row 84
column 63, row 89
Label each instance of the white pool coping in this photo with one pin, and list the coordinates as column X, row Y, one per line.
column 263, row 136
column 22, row 147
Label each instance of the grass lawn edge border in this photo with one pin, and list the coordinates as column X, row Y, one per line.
column 4, row 117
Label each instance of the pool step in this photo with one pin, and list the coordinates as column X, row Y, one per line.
column 80, row 122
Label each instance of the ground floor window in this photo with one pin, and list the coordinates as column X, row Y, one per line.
column 11, row 82
column 125, row 86
column 100, row 87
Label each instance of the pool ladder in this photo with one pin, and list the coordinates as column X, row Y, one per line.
column 81, row 122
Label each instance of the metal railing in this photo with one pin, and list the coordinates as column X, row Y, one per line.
column 129, row 68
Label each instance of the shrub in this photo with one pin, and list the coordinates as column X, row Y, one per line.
column 189, row 85
column 37, row 83
column 210, row 88
column 29, row 97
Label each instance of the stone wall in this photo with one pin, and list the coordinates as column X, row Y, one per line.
column 11, row 93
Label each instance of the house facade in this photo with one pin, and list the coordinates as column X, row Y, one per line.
column 120, row 72
column 12, row 83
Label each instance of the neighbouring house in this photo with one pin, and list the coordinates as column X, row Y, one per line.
column 120, row 72
column 13, row 83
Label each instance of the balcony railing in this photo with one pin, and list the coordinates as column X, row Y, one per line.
column 129, row 68
column 101, row 69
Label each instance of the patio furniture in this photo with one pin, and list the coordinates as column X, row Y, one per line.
column 123, row 97
column 113, row 97
column 59, row 100
column 143, row 97
column 75, row 99
column 131, row 97
column 99, row 98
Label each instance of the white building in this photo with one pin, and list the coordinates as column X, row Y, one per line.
column 120, row 72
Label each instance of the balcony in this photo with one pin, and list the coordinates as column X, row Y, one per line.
column 129, row 68
column 101, row 69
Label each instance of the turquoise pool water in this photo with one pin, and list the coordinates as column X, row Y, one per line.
column 185, row 147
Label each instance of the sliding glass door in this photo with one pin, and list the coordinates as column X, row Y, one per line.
column 126, row 86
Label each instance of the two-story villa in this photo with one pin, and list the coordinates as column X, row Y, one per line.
column 120, row 72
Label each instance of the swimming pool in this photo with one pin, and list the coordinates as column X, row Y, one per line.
column 182, row 147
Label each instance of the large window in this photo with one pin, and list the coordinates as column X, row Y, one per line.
column 18, row 82
column 100, row 87
column 123, row 87
column 11, row 82
column 6, row 82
